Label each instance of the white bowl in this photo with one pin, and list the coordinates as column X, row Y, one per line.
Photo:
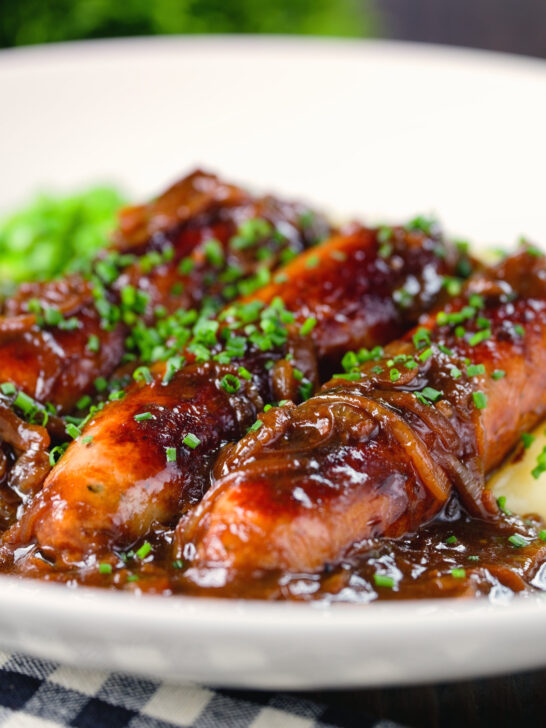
column 380, row 130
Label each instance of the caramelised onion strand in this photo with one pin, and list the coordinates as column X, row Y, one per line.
column 432, row 476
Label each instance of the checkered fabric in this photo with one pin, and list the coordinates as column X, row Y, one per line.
column 38, row 693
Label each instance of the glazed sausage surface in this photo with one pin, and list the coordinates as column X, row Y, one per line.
column 378, row 451
column 115, row 480
column 58, row 337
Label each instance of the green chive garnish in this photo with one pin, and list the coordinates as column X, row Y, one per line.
column 517, row 540
column 143, row 416
column 307, row 326
column 191, row 440
column 144, row 550
column 458, row 573
column 230, row 383
column 384, row 580
column 480, row 400
column 527, row 439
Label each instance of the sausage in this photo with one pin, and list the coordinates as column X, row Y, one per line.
column 72, row 517
column 56, row 340
column 380, row 449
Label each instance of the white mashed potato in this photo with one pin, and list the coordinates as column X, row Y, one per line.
column 524, row 493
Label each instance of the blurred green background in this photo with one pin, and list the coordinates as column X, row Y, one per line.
column 35, row 21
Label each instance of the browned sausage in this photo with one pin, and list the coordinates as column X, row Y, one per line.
column 108, row 491
column 378, row 452
column 47, row 328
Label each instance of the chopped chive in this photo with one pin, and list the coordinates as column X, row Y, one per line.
column 453, row 286
column 307, row 326
column 501, row 502
column 349, row 361
column 421, row 338
column 479, row 336
column 527, row 439
column 472, row 557
column 458, row 573
column 542, row 535
column 431, row 394
column 256, row 426
column 93, row 343
column 83, row 402
column 312, row 261
column 297, row 374
column 24, row 402
column 213, row 252
column 480, row 400
column 426, row 354
column 186, row 266
column 519, row 330
column 451, row 539
column 73, row 430
column 191, row 440
column 143, row 374
column 498, row 374
column 230, row 383
column 174, row 364
column 394, row 375
column 144, row 550
column 105, row 568
column 52, row 316
column 384, row 250
column 540, row 466
column 305, row 391
column 455, row 372
column 170, row 453
column 8, row 388
column 100, row 384
column 517, row 540
column 473, row 370
column 87, row 439
column 476, row 301
column 142, row 416
column 350, row 376
column 56, row 453
column 384, row 580
column 178, row 564
column 244, row 373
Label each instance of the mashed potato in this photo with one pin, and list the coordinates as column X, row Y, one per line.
column 524, row 493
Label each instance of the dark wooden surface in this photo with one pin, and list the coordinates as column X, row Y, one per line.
column 510, row 701
column 516, row 701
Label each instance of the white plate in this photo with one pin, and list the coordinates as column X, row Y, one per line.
column 375, row 129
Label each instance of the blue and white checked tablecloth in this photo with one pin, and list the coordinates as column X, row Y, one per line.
column 38, row 693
